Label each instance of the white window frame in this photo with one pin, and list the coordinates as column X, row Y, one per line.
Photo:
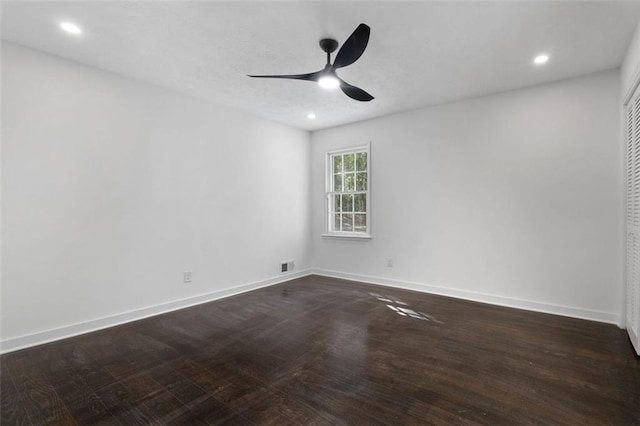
column 329, row 193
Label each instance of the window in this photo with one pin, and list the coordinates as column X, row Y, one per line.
column 348, row 200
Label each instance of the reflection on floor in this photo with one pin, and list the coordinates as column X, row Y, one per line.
column 404, row 311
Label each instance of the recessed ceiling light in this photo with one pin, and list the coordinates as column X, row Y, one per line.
column 328, row 82
column 71, row 28
column 541, row 59
column 311, row 116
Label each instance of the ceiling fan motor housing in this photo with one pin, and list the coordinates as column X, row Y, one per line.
column 328, row 45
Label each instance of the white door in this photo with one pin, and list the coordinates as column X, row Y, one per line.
column 632, row 109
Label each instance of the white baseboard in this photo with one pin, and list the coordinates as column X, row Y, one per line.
column 528, row 305
column 22, row 342
column 633, row 336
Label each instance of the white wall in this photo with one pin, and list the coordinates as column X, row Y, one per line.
column 514, row 198
column 113, row 187
column 630, row 67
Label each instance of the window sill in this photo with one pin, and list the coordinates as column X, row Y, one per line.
column 348, row 236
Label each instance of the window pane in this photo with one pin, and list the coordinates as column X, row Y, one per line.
column 361, row 181
column 347, row 203
column 349, row 183
column 347, row 222
column 349, row 160
column 337, row 163
column 336, row 222
column 361, row 161
column 336, row 203
column 360, row 202
column 360, row 223
column 337, row 183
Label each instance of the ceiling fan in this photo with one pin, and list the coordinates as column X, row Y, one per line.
column 327, row 78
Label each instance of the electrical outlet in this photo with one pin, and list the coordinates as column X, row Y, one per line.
column 187, row 276
column 389, row 262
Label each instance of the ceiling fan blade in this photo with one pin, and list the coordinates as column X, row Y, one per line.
column 355, row 92
column 314, row 76
column 354, row 47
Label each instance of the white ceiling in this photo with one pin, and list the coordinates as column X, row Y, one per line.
column 419, row 53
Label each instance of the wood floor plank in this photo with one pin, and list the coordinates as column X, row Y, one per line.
column 44, row 404
column 85, row 405
column 12, row 408
column 118, row 401
column 318, row 351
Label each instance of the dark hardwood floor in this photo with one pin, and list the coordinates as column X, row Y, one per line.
column 324, row 351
